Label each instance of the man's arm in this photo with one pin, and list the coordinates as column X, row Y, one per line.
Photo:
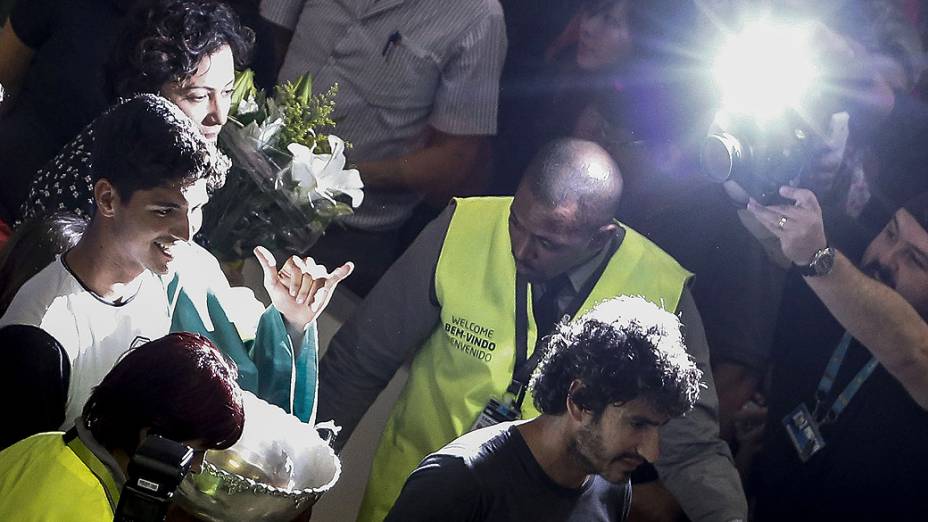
column 275, row 347
column 695, row 464
column 882, row 320
column 444, row 168
column 874, row 314
column 387, row 329
column 463, row 114
column 441, row 489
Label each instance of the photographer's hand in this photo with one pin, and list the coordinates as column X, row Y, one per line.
column 799, row 226
column 301, row 289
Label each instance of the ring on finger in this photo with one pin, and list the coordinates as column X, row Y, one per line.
column 782, row 222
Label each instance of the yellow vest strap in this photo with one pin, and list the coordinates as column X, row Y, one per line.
column 94, row 465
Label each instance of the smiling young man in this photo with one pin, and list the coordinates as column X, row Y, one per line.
column 476, row 292
column 135, row 275
column 607, row 383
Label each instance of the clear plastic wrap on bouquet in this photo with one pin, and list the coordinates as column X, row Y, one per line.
column 261, row 203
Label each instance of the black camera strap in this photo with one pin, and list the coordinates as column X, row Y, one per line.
column 97, row 468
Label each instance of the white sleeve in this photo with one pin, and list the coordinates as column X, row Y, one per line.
column 40, row 303
column 32, row 301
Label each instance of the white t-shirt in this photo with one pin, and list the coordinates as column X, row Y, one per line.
column 94, row 333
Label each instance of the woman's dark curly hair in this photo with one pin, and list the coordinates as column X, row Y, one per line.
column 164, row 40
column 623, row 349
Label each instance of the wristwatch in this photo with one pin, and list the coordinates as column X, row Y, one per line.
column 822, row 262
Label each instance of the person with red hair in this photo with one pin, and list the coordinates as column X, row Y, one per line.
column 179, row 387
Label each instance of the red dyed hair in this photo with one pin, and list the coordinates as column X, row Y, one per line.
column 178, row 386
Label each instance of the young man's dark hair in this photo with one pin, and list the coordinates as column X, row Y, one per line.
column 164, row 41
column 178, row 386
column 625, row 349
column 147, row 142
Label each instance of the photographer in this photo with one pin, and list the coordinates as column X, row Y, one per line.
column 847, row 418
column 178, row 387
column 863, row 61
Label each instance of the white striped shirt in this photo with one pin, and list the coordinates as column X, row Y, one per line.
column 401, row 65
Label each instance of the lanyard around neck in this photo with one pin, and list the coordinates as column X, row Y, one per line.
column 524, row 366
column 828, row 380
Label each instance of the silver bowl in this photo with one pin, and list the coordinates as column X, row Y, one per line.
column 262, row 477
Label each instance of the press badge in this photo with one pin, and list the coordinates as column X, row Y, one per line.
column 803, row 432
column 496, row 412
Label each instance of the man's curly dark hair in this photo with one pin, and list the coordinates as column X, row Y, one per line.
column 164, row 40
column 623, row 349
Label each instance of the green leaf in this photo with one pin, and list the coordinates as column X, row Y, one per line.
column 305, row 89
column 242, row 89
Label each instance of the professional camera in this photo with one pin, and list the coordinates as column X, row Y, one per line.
column 760, row 159
column 157, row 467
column 761, row 136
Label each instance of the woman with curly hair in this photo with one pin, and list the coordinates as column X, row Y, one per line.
column 184, row 50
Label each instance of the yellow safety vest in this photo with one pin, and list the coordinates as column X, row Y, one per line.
column 42, row 479
column 469, row 357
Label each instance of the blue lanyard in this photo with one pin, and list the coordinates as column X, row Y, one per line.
column 828, row 380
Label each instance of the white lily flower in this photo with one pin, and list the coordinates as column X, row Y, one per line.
column 264, row 133
column 324, row 175
column 247, row 106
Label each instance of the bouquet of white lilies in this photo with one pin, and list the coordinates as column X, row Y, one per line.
column 288, row 180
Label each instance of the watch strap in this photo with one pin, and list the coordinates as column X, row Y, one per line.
column 821, row 264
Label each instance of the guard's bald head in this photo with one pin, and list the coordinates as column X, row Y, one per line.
column 570, row 172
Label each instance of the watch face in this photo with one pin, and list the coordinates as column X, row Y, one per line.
column 824, row 261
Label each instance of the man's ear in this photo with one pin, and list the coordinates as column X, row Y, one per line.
column 575, row 410
column 106, row 197
column 604, row 234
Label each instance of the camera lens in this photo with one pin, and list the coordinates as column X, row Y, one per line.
column 721, row 155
